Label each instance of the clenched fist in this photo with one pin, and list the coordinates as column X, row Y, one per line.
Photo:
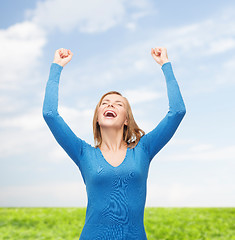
column 160, row 55
column 62, row 56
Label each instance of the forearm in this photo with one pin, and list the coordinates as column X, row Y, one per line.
column 176, row 103
column 50, row 104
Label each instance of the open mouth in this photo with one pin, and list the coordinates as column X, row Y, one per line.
column 110, row 114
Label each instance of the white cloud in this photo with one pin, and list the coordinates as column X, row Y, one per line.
column 191, row 47
column 182, row 141
column 89, row 16
column 200, row 41
column 26, row 121
column 64, row 194
column 16, row 142
column 21, row 46
column 131, row 26
column 178, row 194
column 202, row 147
column 208, row 37
column 33, row 119
column 226, row 73
column 79, row 120
column 221, row 45
column 140, row 65
column 199, row 152
column 10, row 105
column 140, row 95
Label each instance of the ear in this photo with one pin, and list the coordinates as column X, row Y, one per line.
column 126, row 122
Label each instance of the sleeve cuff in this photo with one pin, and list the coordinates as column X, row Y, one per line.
column 56, row 67
column 166, row 66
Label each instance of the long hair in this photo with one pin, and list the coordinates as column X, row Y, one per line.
column 131, row 132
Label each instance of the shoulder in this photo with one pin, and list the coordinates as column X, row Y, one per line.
column 142, row 142
column 86, row 145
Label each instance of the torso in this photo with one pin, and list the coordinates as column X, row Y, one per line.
column 116, row 195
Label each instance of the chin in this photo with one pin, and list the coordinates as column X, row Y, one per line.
column 111, row 125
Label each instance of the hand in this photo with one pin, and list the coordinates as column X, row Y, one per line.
column 160, row 55
column 62, row 56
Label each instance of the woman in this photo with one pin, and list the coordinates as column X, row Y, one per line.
column 115, row 170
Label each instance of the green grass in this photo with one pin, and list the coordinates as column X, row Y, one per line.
column 160, row 223
column 190, row 223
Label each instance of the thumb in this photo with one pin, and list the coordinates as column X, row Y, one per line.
column 164, row 52
column 154, row 54
column 70, row 55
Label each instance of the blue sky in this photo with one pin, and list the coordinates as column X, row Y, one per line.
column 111, row 41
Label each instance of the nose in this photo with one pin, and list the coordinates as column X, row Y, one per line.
column 110, row 104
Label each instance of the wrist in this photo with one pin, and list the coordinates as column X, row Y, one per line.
column 59, row 63
column 163, row 62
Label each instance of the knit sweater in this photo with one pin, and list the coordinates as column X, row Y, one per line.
column 116, row 195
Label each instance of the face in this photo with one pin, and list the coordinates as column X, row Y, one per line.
column 117, row 115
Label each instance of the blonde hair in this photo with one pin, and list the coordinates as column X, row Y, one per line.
column 131, row 132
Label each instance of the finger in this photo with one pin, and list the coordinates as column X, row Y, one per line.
column 58, row 51
column 70, row 53
column 158, row 49
column 152, row 51
column 64, row 52
column 61, row 54
column 164, row 50
column 154, row 56
column 157, row 53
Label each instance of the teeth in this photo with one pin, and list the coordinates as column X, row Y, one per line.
column 110, row 112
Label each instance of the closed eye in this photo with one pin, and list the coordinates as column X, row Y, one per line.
column 106, row 103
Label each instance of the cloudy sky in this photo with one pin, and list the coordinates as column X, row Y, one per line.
column 111, row 41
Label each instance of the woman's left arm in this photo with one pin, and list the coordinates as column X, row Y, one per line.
column 163, row 132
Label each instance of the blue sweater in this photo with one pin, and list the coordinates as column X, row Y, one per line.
column 116, row 195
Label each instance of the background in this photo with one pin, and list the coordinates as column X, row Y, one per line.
column 111, row 41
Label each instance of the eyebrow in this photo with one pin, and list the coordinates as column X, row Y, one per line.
column 109, row 101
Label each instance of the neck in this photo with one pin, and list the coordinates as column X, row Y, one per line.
column 112, row 139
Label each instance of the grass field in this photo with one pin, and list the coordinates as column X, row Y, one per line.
column 160, row 223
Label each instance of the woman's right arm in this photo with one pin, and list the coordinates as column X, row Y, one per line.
column 63, row 134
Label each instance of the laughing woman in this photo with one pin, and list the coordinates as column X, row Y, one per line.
column 115, row 170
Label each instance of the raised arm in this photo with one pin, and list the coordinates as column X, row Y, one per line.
column 163, row 132
column 61, row 131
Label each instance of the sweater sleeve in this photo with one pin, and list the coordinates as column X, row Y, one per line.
column 72, row 145
column 155, row 140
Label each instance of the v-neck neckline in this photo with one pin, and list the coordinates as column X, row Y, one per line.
column 127, row 150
